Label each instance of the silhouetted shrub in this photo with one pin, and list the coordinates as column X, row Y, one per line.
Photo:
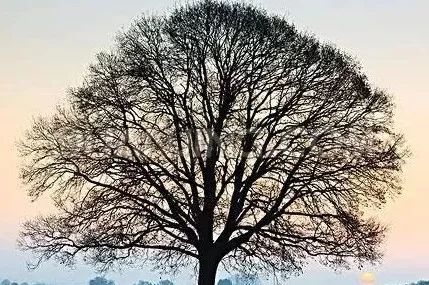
column 421, row 282
column 101, row 281
column 224, row 282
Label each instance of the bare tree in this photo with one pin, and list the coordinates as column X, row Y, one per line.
column 217, row 134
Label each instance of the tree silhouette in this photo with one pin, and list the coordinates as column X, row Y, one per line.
column 101, row 281
column 246, row 280
column 224, row 282
column 216, row 134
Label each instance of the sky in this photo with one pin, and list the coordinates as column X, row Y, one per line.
column 47, row 45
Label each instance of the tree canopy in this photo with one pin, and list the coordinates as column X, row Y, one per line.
column 217, row 134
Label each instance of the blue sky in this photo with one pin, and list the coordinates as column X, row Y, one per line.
column 46, row 46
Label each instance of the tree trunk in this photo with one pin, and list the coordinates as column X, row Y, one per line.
column 207, row 270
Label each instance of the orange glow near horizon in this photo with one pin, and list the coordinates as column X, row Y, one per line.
column 367, row 278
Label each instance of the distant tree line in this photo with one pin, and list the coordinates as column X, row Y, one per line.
column 8, row 282
column 421, row 282
column 234, row 280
